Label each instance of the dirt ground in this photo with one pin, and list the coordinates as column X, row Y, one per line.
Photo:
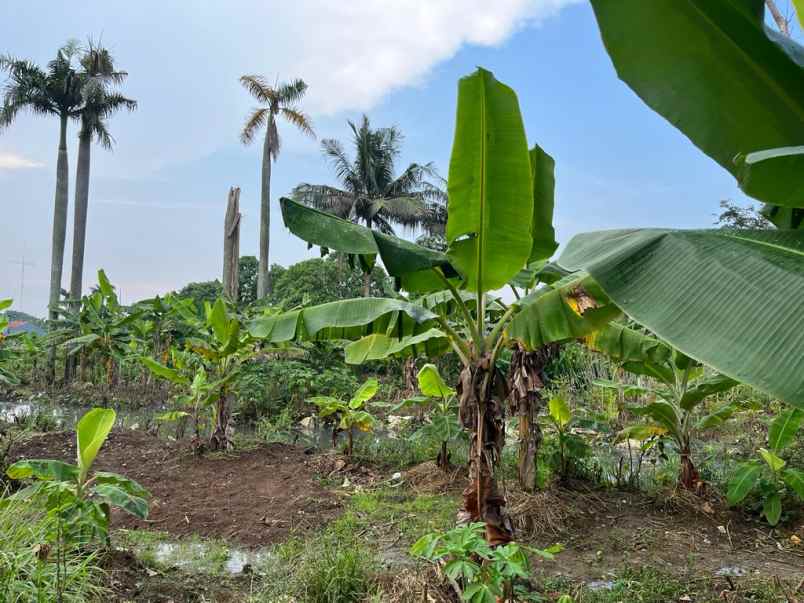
column 254, row 498
column 606, row 530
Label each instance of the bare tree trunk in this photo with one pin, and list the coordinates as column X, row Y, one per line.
column 366, row 284
column 60, row 205
column 482, row 411
column 231, row 246
column 263, row 272
column 782, row 23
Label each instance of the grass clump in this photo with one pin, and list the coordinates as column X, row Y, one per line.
column 28, row 564
column 328, row 569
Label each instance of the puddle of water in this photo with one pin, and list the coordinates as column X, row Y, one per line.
column 600, row 585
column 66, row 417
column 203, row 557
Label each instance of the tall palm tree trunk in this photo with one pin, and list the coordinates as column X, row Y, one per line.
column 263, row 274
column 79, row 231
column 59, row 234
column 80, row 216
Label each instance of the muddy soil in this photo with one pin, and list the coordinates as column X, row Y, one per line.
column 253, row 498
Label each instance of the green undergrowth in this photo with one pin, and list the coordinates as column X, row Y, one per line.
column 340, row 563
column 29, row 570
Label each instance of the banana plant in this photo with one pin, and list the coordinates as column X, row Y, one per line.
column 105, row 328
column 498, row 225
column 6, row 376
column 349, row 415
column 681, row 387
column 219, row 347
column 81, row 498
column 721, row 297
column 570, row 446
column 442, row 419
column 770, row 474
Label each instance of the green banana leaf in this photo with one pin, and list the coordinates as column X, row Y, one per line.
column 490, row 189
column 783, row 429
column 409, row 263
column 743, row 481
column 542, row 167
column 91, row 432
column 431, row 384
column 430, row 343
column 776, row 176
column 552, row 314
column 728, row 299
column 346, row 319
column 713, row 69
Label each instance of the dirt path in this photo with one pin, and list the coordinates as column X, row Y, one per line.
column 254, row 497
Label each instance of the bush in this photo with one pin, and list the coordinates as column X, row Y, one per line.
column 267, row 388
column 28, row 568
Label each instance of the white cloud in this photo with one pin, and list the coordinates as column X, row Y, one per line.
column 12, row 161
column 354, row 53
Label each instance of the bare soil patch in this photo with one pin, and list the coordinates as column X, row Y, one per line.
column 254, row 497
column 606, row 530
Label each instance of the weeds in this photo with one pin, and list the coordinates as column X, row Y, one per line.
column 28, row 567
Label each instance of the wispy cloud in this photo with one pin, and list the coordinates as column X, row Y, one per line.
column 12, row 161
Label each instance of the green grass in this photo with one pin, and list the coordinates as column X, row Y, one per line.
column 25, row 577
column 339, row 564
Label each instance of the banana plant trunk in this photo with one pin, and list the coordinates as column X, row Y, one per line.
column 481, row 393
column 219, row 440
column 263, row 272
column 689, row 478
column 526, row 381
column 60, row 205
column 442, row 460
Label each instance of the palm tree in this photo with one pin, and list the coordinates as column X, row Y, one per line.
column 100, row 103
column 55, row 90
column 370, row 192
column 277, row 100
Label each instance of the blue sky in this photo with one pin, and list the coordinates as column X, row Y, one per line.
column 157, row 201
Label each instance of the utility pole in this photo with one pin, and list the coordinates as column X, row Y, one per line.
column 22, row 264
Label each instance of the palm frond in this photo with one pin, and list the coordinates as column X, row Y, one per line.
column 254, row 123
column 326, row 198
column 298, row 119
column 259, row 88
column 291, row 92
column 344, row 169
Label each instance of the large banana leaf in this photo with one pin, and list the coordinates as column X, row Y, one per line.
column 718, row 74
column 347, row 319
column 542, row 168
column 430, row 343
column 411, row 264
column 560, row 314
column 729, row 299
column 490, row 189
